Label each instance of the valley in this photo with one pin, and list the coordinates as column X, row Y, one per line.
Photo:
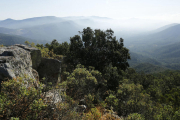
column 157, row 49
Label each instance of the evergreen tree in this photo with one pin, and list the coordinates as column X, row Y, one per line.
column 98, row 48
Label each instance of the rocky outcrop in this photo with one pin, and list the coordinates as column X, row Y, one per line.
column 15, row 62
column 50, row 69
column 21, row 60
column 35, row 55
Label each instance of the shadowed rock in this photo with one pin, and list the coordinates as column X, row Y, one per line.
column 50, row 69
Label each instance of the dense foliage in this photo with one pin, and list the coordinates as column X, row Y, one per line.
column 100, row 76
column 60, row 49
column 98, row 48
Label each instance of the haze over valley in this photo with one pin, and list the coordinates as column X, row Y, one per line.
column 150, row 29
column 157, row 42
column 90, row 59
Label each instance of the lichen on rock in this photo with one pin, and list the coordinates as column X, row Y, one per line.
column 26, row 62
column 15, row 62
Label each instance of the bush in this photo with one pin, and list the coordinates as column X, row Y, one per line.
column 29, row 103
column 18, row 101
column 94, row 114
column 176, row 115
column 82, row 82
column 135, row 116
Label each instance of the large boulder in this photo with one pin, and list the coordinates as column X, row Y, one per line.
column 35, row 55
column 15, row 62
column 24, row 61
column 50, row 69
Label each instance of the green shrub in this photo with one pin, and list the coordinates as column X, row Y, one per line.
column 18, row 101
column 176, row 115
column 81, row 82
column 94, row 114
column 135, row 116
column 29, row 103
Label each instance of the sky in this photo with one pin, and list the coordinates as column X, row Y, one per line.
column 166, row 10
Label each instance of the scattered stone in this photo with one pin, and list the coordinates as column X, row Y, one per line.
column 52, row 96
column 80, row 108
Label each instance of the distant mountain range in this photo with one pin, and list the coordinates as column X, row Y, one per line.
column 158, row 48
column 62, row 28
column 165, row 37
column 30, row 22
column 42, row 28
column 162, row 46
column 50, row 27
column 6, row 39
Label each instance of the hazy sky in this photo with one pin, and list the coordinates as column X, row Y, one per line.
column 168, row 10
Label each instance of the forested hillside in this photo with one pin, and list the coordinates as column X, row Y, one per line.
column 161, row 48
column 62, row 28
column 6, row 39
column 152, row 41
column 97, row 76
column 158, row 47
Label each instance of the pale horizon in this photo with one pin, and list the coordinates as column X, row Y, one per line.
column 162, row 10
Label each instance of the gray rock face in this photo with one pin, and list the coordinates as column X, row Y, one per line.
column 35, row 55
column 48, row 68
column 21, row 60
column 15, row 62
